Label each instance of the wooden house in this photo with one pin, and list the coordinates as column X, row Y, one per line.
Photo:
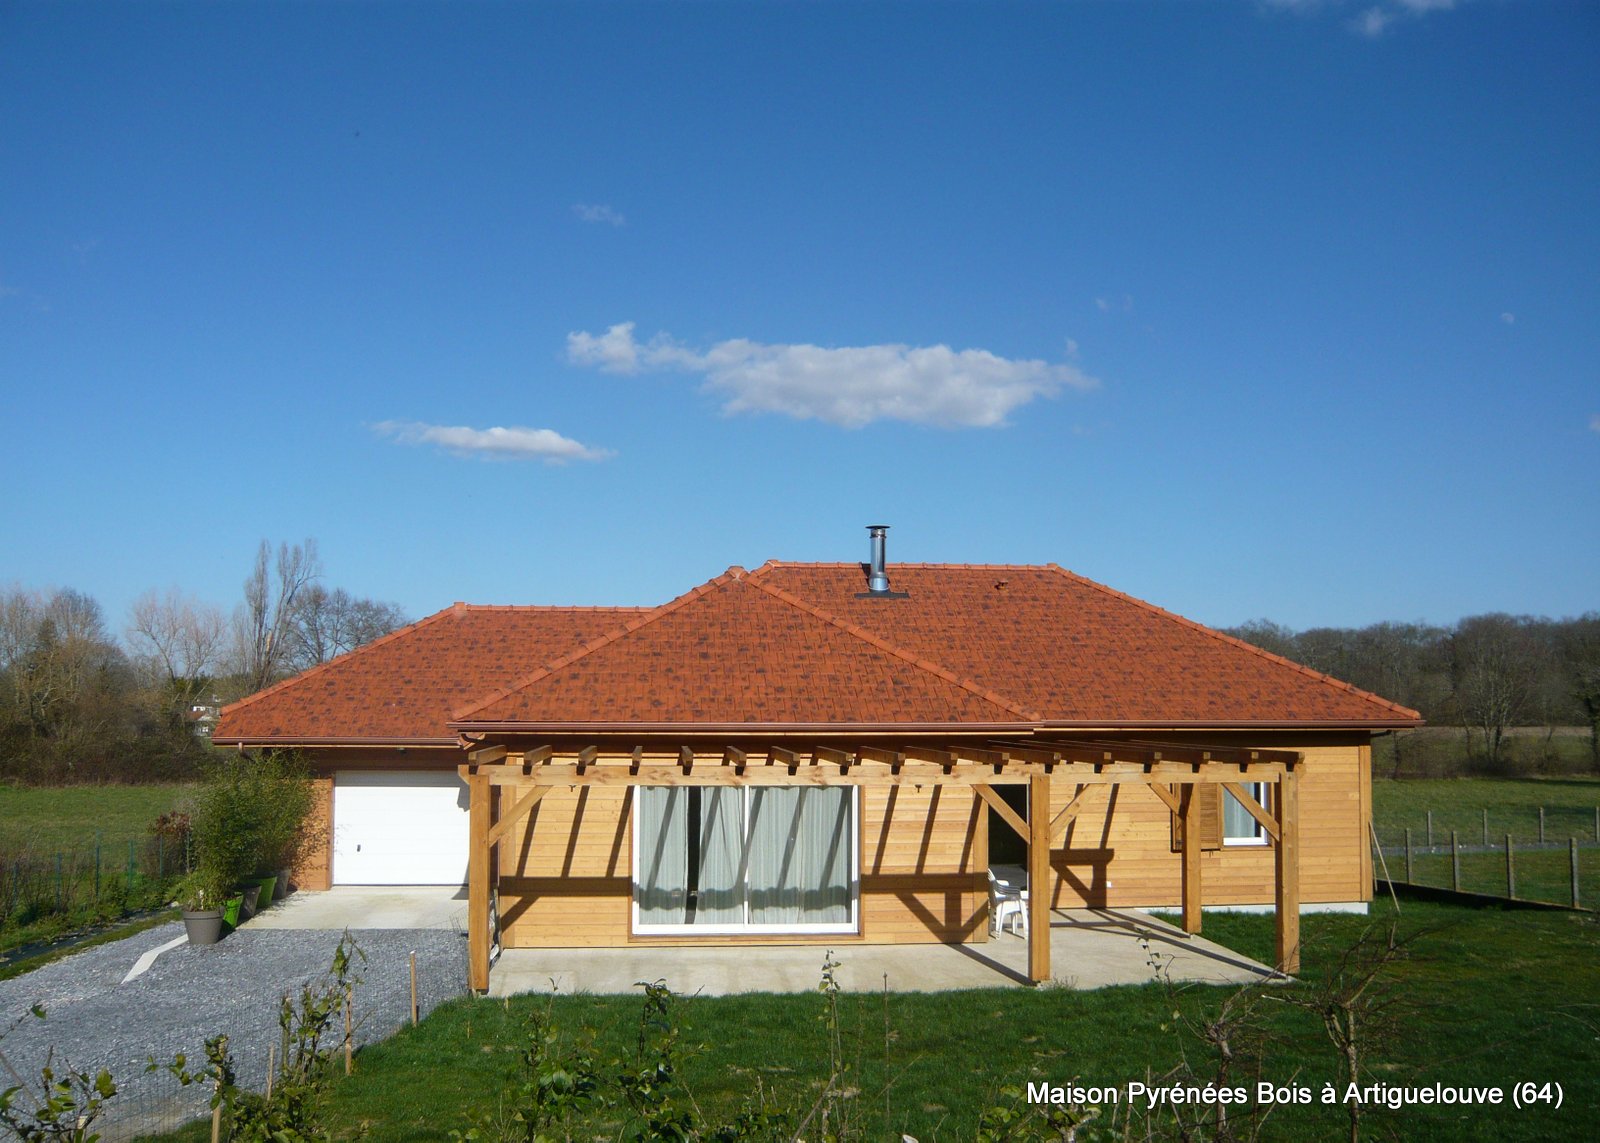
column 831, row 753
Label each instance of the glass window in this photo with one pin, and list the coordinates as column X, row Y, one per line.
column 730, row 859
column 1239, row 826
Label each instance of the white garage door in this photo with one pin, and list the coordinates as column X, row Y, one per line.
column 399, row 828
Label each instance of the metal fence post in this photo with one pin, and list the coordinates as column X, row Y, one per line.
column 1572, row 854
column 1455, row 863
column 1511, row 869
column 1408, row 857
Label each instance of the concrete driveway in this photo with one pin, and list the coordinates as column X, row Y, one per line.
column 1089, row 948
column 368, row 907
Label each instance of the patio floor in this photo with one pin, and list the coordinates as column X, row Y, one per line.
column 1089, row 948
column 369, row 907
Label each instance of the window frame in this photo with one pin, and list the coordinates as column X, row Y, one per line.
column 1258, row 791
column 849, row 927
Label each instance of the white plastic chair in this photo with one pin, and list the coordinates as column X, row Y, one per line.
column 1007, row 904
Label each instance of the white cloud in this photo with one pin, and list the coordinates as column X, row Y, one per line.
column 1594, row 423
column 599, row 212
column 1373, row 22
column 1422, row 7
column 514, row 443
column 1509, row 318
column 850, row 386
column 1121, row 305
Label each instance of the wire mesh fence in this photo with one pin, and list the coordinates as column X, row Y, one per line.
column 95, row 880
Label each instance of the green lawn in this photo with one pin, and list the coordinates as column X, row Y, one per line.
column 1459, row 804
column 45, row 819
column 1486, row 997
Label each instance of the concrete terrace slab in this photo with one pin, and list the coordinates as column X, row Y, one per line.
column 368, row 907
column 1089, row 948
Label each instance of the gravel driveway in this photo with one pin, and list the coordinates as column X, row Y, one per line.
column 95, row 1021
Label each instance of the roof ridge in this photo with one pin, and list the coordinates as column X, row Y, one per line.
column 309, row 672
column 551, row 607
column 460, row 713
column 1226, row 638
column 878, row 641
column 935, row 566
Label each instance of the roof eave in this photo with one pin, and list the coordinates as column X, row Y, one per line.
column 245, row 740
column 635, row 729
column 1236, row 724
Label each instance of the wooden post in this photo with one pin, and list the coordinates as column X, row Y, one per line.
column 1455, row 862
column 272, row 1051
column 1486, row 827
column 1572, row 854
column 349, row 1047
column 1541, row 825
column 1039, row 880
column 1287, row 869
column 1430, row 829
column 1408, row 857
column 413, row 989
column 216, row 1116
column 1597, row 823
column 1191, row 858
column 477, row 880
column 1511, row 869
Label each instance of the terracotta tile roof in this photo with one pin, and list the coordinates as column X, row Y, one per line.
column 404, row 685
column 735, row 652
column 1076, row 651
column 792, row 645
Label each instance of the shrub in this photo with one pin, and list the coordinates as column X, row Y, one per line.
column 251, row 815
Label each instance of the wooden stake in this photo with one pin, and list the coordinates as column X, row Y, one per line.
column 1572, row 853
column 216, row 1117
column 1511, row 870
column 1486, row 827
column 349, row 1063
column 1286, row 869
column 1541, row 825
column 1455, row 863
column 413, row 989
column 272, row 1051
column 1408, row 857
column 1430, row 829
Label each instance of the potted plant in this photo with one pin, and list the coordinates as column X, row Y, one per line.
column 200, row 897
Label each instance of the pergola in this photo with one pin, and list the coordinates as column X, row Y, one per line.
column 525, row 772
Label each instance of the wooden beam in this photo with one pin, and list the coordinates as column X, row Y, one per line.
column 1059, row 823
column 827, row 755
column 1253, row 808
column 478, row 794
column 686, row 758
column 927, row 754
column 1007, row 814
column 518, row 810
column 537, row 755
column 1189, row 811
column 733, row 756
column 1287, row 870
column 1039, row 886
column 1167, row 797
column 779, row 756
column 486, row 754
column 586, row 756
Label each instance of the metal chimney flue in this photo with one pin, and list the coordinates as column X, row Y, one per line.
column 878, row 568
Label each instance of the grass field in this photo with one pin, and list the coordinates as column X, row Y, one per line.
column 1459, row 804
column 1486, row 997
column 49, row 818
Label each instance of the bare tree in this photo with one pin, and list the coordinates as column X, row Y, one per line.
column 1493, row 664
column 271, row 592
column 180, row 635
column 327, row 624
column 1580, row 652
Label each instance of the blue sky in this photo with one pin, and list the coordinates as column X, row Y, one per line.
column 1281, row 309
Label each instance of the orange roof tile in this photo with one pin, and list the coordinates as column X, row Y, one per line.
column 792, row 645
column 732, row 652
column 1078, row 652
column 403, row 686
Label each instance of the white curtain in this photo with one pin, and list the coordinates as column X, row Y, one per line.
column 1237, row 822
column 663, row 854
column 799, row 856
column 720, row 900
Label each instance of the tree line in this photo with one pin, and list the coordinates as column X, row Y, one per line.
column 80, row 702
column 1485, row 674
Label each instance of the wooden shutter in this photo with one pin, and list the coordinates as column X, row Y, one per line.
column 1209, row 809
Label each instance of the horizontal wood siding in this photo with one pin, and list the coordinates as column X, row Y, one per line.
column 314, row 870
column 1118, row 852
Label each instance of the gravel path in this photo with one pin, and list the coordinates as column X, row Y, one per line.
column 95, row 1021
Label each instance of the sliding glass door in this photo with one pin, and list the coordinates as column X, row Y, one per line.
column 715, row 859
